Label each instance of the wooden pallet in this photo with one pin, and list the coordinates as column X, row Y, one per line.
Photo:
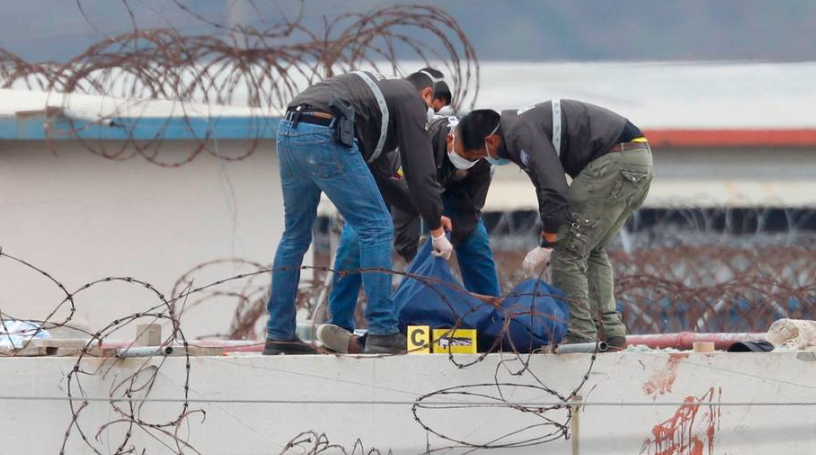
column 47, row 347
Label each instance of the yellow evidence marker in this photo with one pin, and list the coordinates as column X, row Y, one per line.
column 460, row 341
column 419, row 339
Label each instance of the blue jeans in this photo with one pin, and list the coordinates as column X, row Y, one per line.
column 311, row 162
column 476, row 263
column 473, row 254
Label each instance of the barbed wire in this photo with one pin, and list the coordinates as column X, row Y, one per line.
column 716, row 269
column 664, row 227
column 164, row 81
column 129, row 394
column 687, row 288
column 674, row 285
column 667, row 298
column 313, row 443
column 728, row 286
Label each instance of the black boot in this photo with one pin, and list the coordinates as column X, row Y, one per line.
column 291, row 347
column 386, row 344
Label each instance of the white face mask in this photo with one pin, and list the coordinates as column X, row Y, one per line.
column 431, row 114
column 490, row 159
column 458, row 161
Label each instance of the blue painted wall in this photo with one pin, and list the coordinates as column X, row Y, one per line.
column 33, row 128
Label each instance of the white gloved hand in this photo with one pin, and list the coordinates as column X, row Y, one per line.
column 442, row 247
column 537, row 257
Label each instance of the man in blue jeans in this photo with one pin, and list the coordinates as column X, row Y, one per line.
column 465, row 185
column 331, row 130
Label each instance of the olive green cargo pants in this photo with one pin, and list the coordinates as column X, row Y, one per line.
column 601, row 199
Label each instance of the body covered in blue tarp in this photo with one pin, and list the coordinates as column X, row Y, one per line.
column 533, row 315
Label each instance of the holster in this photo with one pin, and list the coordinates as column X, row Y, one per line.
column 344, row 121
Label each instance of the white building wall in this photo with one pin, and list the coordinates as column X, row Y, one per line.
column 739, row 403
column 704, row 177
column 81, row 217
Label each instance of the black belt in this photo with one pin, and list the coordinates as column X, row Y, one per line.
column 311, row 117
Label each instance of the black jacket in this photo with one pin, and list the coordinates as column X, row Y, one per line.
column 587, row 132
column 407, row 131
column 464, row 194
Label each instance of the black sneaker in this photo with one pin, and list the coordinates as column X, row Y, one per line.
column 291, row 347
column 616, row 343
column 386, row 344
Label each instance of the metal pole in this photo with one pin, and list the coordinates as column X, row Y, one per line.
column 575, row 410
column 144, row 351
column 581, row 348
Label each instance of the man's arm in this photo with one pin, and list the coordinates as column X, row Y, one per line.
column 549, row 179
column 417, row 157
column 394, row 189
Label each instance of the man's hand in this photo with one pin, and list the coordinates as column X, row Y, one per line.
column 442, row 247
column 537, row 257
column 447, row 224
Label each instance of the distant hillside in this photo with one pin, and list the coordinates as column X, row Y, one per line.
column 500, row 30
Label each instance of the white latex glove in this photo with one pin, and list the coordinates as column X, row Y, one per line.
column 537, row 257
column 442, row 247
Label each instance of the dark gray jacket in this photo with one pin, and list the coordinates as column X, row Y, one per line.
column 464, row 192
column 587, row 132
column 407, row 130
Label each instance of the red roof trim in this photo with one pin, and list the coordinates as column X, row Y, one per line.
column 732, row 138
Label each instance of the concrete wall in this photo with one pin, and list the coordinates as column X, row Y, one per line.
column 82, row 218
column 730, row 398
column 704, row 177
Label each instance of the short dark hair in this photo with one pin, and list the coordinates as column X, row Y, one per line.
column 433, row 72
column 420, row 81
column 474, row 127
column 442, row 92
column 441, row 89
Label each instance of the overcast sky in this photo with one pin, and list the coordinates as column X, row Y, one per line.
column 521, row 30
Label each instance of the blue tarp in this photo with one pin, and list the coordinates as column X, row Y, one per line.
column 533, row 315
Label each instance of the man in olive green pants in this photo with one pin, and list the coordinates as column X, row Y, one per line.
column 600, row 200
column 610, row 164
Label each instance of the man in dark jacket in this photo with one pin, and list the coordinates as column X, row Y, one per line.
column 330, row 132
column 610, row 164
column 464, row 190
column 465, row 185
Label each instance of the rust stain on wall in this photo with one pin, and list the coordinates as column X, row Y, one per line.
column 662, row 381
column 688, row 432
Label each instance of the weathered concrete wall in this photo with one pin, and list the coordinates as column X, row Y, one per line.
column 725, row 393
column 82, row 218
column 705, row 177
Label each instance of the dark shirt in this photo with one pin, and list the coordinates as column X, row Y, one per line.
column 630, row 132
column 463, row 191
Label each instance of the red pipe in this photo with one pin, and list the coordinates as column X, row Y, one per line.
column 797, row 137
column 685, row 340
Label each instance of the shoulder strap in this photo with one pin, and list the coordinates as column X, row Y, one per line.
column 556, row 126
column 375, row 89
